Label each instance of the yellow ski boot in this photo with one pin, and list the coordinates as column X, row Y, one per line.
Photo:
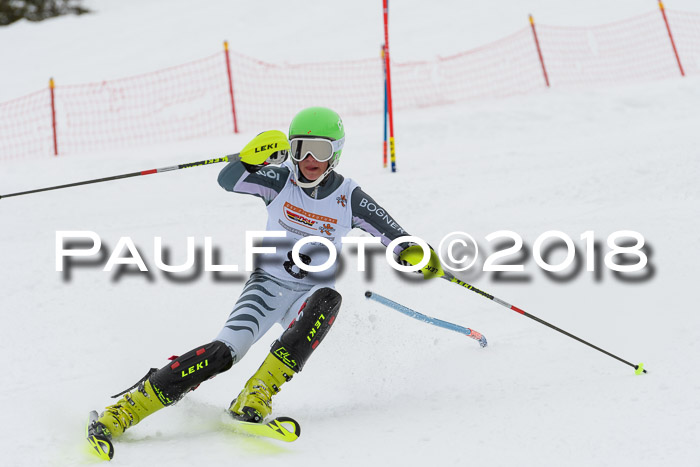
column 116, row 418
column 130, row 410
column 254, row 403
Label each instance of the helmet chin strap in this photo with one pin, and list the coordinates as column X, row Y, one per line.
column 297, row 177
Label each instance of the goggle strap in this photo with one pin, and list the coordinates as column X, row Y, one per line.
column 338, row 144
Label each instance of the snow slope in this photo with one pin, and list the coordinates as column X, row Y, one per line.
column 381, row 389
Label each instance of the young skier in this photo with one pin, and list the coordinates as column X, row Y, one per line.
column 304, row 197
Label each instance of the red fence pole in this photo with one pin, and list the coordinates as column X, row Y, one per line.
column 670, row 36
column 53, row 117
column 539, row 51
column 392, row 150
column 230, row 87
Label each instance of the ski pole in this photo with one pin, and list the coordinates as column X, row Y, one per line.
column 260, row 148
column 427, row 319
column 639, row 369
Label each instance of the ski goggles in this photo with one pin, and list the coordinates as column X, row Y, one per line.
column 320, row 149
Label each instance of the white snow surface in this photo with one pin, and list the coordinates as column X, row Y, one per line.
column 382, row 389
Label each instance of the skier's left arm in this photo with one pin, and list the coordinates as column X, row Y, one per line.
column 369, row 216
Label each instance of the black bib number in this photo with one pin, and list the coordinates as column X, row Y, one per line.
column 289, row 265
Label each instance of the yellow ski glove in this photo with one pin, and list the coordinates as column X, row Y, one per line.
column 413, row 255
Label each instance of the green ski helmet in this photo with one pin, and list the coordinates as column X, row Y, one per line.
column 318, row 123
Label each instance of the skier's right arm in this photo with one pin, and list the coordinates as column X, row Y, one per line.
column 263, row 181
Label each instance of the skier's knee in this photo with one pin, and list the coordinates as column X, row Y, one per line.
column 187, row 371
column 308, row 330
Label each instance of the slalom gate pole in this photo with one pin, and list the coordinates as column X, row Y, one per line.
column 392, row 148
column 670, row 36
column 539, row 50
column 639, row 369
column 386, row 104
column 230, row 87
column 427, row 319
column 262, row 146
column 52, row 87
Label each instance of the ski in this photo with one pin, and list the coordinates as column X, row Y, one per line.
column 98, row 441
column 477, row 336
column 280, row 428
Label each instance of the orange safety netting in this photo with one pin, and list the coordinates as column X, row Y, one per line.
column 181, row 102
column 686, row 32
column 636, row 49
column 25, row 126
column 193, row 100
